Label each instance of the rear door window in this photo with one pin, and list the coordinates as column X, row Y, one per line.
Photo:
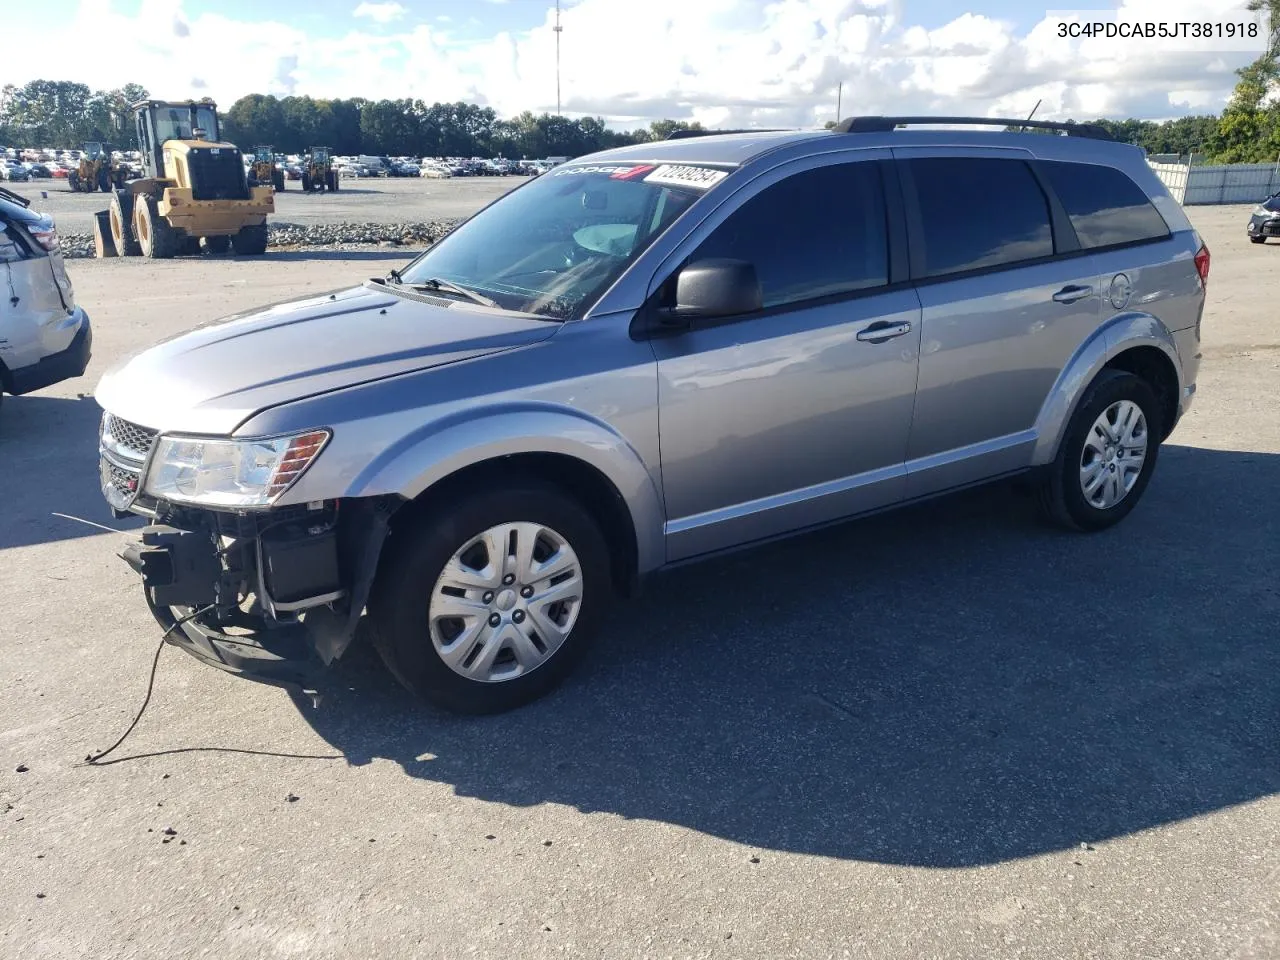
column 818, row 233
column 976, row 212
column 1104, row 205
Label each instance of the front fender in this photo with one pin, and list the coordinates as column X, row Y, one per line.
column 443, row 447
column 1122, row 332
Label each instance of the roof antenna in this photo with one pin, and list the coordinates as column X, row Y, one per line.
column 1033, row 112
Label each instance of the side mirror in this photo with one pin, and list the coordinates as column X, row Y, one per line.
column 716, row 288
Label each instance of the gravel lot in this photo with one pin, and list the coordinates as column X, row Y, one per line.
column 949, row 732
column 373, row 200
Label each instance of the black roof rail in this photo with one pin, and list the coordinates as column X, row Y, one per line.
column 14, row 197
column 686, row 134
column 887, row 124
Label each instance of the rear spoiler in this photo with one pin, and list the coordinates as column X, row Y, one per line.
column 14, row 197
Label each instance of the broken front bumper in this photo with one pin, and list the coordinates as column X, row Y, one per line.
column 271, row 597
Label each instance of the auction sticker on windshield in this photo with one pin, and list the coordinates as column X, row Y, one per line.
column 675, row 175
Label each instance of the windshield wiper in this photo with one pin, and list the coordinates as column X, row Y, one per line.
column 435, row 283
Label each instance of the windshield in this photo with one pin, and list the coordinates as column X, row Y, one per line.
column 174, row 123
column 553, row 246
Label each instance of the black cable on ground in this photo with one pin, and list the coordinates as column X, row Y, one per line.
column 151, row 681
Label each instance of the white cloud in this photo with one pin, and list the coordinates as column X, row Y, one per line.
column 380, row 12
column 723, row 62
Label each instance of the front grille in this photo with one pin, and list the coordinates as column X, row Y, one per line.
column 127, row 439
column 217, row 173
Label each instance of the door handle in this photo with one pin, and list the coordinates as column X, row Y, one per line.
column 883, row 330
column 1071, row 293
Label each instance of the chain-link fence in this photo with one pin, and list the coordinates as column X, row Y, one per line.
column 1227, row 183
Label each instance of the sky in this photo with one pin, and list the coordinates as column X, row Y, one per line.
column 725, row 63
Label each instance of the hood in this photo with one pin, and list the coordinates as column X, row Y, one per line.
column 211, row 379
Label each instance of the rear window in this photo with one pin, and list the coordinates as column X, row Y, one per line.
column 1105, row 206
column 977, row 212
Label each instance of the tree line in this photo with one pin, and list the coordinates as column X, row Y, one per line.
column 63, row 114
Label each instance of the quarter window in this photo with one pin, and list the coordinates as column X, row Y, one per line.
column 818, row 233
column 1105, row 206
column 977, row 212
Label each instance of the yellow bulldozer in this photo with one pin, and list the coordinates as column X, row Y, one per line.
column 318, row 172
column 97, row 170
column 265, row 170
column 194, row 190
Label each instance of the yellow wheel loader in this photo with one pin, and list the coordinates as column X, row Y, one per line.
column 318, row 172
column 193, row 191
column 96, row 170
column 264, row 169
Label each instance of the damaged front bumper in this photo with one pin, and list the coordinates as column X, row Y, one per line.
column 273, row 596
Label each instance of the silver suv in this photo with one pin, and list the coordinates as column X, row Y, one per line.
column 646, row 356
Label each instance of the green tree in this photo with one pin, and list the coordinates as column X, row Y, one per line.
column 1249, row 129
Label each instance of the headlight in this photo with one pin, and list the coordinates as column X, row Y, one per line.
column 230, row 473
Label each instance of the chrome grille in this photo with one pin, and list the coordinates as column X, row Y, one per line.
column 127, row 439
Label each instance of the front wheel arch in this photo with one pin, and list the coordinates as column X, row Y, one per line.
column 581, row 481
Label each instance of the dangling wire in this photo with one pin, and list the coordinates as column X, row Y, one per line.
column 151, row 681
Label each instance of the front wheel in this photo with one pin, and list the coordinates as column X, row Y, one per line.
column 1257, row 239
column 1107, row 455
column 250, row 241
column 488, row 604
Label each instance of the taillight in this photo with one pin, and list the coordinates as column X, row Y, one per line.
column 1202, row 263
column 45, row 234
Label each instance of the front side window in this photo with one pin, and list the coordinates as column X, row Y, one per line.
column 815, row 234
column 554, row 245
column 978, row 212
column 1104, row 205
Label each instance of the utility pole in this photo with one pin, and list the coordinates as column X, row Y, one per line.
column 839, row 99
column 558, row 30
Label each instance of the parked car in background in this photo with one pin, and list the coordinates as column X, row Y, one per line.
column 1265, row 220
column 13, row 171
column 44, row 336
column 39, row 171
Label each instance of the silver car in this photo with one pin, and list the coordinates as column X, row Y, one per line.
column 644, row 357
column 45, row 337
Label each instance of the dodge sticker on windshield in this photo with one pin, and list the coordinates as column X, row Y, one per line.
column 700, row 178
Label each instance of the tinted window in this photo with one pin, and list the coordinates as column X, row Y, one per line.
column 1104, row 205
column 814, row 234
column 1272, row 204
column 977, row 212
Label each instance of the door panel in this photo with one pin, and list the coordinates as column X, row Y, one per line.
column 784, row 421
column 1006, row 300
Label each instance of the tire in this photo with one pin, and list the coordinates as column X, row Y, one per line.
column 120, row 212
column 336, row 185
column 277, row 181
column 73, row 181
column 189, row 247
column 216, row 245
column 1257, row 239
column 331, row 181
column 250, row 241
column 156, row 238
column 104, row 180
column 1062, row 491
column 407, row 589
column 306, row 183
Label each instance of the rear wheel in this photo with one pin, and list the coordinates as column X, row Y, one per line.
column 488, row 604
column 306, row 183
column 104, row 180
column 217, row 244
column 120, row 216
column 250, row 241
column 156, row 238
column 73, row 181
column 1107, row 456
